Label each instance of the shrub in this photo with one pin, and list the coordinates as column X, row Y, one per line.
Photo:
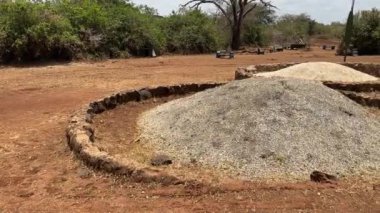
column 191, row 31
column 256, row 35
column 366, row 33
column 293, row 28
column 134, row 31
column 32, row 32
column 366, row 36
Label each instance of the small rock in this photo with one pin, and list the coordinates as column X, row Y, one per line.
column 267, row 154
column 376, row 187
column 242, row 73
column 89, row 118
column 84, row 173
column 145, row 94
column 193, row 160
column 15, row 137
column 34, row 169
column 239, row 197
column 33, row 158
column 161, row 160
column 252, row 69
column 26, row 194
column 321, row 177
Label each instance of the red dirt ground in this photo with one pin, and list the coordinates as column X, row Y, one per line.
column 39, row 173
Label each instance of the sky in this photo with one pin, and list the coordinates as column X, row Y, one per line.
column 325, row 11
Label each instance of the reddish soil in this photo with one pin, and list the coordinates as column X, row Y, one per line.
column 39, row 173
column 117, row 130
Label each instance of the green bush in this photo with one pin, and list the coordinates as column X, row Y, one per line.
column 32, row 32
column 134, row 31
column 191, row 32
column 293, row 28
column 257, row 27
column 67, row 29
column 366, row 35
column 256, row 35
column 329, row 31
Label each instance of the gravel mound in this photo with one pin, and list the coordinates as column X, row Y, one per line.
column 267, row 128
column 321, row 71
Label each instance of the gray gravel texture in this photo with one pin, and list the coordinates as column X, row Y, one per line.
column 321, row 71
column 268, row 128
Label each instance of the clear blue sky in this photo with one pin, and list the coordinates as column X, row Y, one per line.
column 324, row 11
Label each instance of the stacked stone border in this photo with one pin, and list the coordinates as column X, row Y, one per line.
column 355, row 91
column 81, row 133
column 358, row 92
column 243, row 73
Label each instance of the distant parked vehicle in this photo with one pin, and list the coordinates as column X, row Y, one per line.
column 224, row 54
column 279, row 49
column 355, row 52
column 297, row 46
column 325, row 47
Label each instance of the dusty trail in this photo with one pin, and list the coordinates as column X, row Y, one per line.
column 39, row 173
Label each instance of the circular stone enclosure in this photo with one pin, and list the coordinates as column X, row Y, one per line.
column 82, row 134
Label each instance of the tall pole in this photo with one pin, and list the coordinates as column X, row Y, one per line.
column 349, row 30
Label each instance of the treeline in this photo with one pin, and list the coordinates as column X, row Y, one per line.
column 263, row 28
column 73, row 29
column 366, row 36
column 76, row 29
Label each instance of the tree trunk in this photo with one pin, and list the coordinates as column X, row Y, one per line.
column 235, row 42
column 345, row 55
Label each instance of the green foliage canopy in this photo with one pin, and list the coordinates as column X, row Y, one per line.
column 74, row 29
column 191, row 32
column 69, row 29
column 366, row 32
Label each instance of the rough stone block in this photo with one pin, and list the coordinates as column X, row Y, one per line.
column 145, row 94
column 176, row 90
column 160, row 92
column 131, row 96
column 189, row 88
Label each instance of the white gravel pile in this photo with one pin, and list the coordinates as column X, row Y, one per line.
column 321, row 71
column 267, row 128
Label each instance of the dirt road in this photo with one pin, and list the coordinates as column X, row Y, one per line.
column 39, row 173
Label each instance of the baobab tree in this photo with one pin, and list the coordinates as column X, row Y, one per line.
column 234, row 11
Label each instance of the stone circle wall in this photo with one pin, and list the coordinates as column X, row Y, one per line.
column 248, row 72
column 361, row 93
column 81, row 134
column 353, row 91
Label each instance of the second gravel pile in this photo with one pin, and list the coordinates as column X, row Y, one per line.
column 267, row 128
column 321, row 71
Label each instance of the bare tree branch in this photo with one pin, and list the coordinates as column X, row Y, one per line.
column 197, row 3
column 249, row 10
column 268, row 4
column 235, row 12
